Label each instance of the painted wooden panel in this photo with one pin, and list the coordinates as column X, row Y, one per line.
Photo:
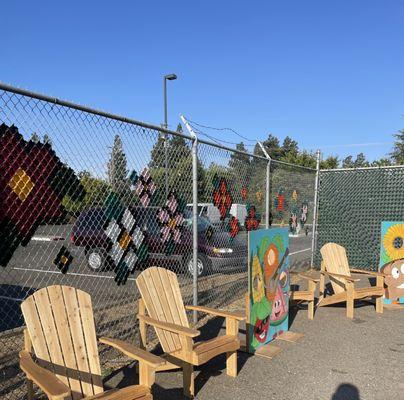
column 268, row 285
column 392, row 260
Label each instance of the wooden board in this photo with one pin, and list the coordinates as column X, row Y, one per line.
column 268, row 351
column 289, row 336
column 393, row 307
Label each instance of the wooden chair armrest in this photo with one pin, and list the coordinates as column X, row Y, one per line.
column 219, row 313
column 133, row 352
column 372, row 273
column 332, row 274
column 53, row 387
column 308, row 277
column 166, row 326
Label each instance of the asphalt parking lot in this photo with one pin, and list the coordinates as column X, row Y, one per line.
column 32, row 267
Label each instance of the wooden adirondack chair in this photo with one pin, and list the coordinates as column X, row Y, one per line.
column 60, row 328
column 335, row 266
column 299, row 296
column 161, row 298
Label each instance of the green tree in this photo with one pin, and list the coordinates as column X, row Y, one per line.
column 117, row 169
column 96, row 191
column 178, row 149
column 398, row 150
column 35, row 138
column 331, row 162
column 361, row 161
column 289, row 148
column 383, row 162
column 157, row 156
column 47, row 139
column 348, row 162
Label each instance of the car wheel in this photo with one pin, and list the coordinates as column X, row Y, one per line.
column 96, row 259
column 202, row 265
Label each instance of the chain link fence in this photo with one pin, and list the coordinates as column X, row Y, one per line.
column 89, row 199
column 352, row 205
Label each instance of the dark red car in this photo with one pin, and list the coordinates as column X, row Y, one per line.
column 217, row 251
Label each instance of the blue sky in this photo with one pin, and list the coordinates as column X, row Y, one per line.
column 326, row 73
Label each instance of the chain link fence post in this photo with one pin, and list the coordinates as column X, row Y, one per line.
column 315, row 208
column 194, row 217
column 268, row 187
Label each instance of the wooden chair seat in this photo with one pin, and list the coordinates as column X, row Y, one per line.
column 137, row 392
column 205, row 351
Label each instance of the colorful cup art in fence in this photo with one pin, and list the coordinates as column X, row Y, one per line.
column 268, row 285
column 392, row 261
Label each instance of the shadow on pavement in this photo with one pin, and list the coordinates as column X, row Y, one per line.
column 346, row 391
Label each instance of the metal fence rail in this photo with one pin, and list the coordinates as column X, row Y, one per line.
column 89, row 198
column 352, row 205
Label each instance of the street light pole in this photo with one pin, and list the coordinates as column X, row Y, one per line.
column 170, row 77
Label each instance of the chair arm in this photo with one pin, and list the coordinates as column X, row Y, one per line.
column 133, row 352
column 372, row 273
column 219, row 313
column 333, row 275
column 167, row 326
column 308, row 277
column 53, row 387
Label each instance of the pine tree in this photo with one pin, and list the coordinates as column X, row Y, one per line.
column 35, row 138
column 398, row 150
column 117, row 169
column 47, row 139
column 347, row 162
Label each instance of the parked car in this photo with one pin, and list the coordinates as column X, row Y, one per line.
column 216, row 251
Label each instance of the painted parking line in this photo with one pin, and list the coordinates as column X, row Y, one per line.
column 70, row 273
column 103, row 276
column 47, row 238
column 11, row 298
column 299, row 251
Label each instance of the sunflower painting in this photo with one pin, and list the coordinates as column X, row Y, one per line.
column 392, row 260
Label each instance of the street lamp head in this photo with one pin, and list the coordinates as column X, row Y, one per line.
column 170, row 77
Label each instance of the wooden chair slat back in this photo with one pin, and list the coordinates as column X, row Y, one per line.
column 61, row 327
column 161, row 295
column 335, row 261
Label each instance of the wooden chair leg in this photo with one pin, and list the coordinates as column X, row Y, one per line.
column 142, row 325
column 379, row 300
column 231, row 364
column 146, row 375
column 28, row 347
column 231, row 357
column 322, row 285
column 310, row 309
column 350, row 300
column 188, row 380
column 310, row 304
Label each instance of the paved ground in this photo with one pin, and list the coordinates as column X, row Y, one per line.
column 337, row 359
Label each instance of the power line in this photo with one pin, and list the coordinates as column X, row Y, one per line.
column 216, row 140
column 222, row 129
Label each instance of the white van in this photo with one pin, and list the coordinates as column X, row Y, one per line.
column 207, row 210
column 239, row 211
